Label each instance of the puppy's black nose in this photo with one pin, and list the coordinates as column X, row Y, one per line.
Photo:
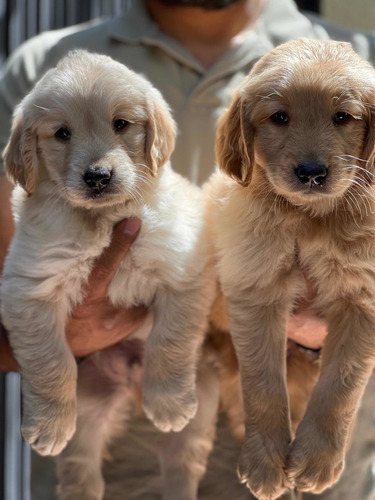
column 97, row 178
column 311, row 173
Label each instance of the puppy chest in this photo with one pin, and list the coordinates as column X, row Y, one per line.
column 334, row 271
column 134, row 285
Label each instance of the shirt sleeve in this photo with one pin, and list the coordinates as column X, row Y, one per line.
column 362, row 43
column 21, row 71
column 281, row 21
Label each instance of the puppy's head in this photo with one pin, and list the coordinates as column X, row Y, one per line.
column 94, row 128
column 305, row 116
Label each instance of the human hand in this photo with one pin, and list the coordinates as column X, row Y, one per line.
column 96, row 323
column 8, row 362
column 307, row 329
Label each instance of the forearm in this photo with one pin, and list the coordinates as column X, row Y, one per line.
column 6, row 218
column 7, row 360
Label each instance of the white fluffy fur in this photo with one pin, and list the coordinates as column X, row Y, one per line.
column 61, row 230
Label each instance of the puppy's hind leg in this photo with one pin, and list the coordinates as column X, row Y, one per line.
column 105, row 398
column 184, row 454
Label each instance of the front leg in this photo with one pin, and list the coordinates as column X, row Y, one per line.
column 48, row 370
column 317, row 455
column 259, row 337
column 184, row 455
column 171, row 355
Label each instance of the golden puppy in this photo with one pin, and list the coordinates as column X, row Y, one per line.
column 294, row 201
column 90, row 145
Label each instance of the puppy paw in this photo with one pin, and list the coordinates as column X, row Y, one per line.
column 169, row 410
column 48, row 426
column 261, row 468
column 313, row 464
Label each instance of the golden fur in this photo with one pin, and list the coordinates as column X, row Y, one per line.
column 274, row 229
column 303, row 368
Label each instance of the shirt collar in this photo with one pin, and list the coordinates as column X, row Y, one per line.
column 136, row 26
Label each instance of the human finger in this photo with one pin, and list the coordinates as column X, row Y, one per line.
column 106, row 265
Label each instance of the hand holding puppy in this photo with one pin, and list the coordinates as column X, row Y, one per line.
column 96, row 323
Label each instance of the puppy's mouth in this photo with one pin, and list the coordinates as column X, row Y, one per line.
column 308, row 191
column 94, row 194
column 94, row 198
column 102, row 197
column 313, row 190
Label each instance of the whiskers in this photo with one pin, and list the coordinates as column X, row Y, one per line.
column 129, row 189
column 140, row 182
column 368, row 176
column 359, row 197
column 264, row 189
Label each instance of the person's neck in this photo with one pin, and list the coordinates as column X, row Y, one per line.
column 206, row 34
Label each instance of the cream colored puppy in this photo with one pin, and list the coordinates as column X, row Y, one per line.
column 87, row 147
column 294, row 200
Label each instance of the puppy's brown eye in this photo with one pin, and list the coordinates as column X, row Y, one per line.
column 281, row 118
column 120, row 124
column 341, row 117
column 63, row 134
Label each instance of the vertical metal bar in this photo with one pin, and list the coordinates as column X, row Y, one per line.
column 106, row 8
column 84, row 12
column 120, row 6
column 45, row 15
column 31, row 18
column 95, row 8
column 26, row 476
column 116, row 7
column 2, row 435
column 71, row 12
column 13, row 467
column 16, row 23
column 59, row 14
column 3, row 31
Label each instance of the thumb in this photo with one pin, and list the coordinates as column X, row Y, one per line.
column 106, row 265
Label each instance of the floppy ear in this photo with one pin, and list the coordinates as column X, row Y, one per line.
column 369, row 148
column 20, row 155
column 160, row 134
column 234, row 143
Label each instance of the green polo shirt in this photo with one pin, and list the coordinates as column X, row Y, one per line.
column 197, row 96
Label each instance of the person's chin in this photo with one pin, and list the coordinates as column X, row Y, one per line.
column 204, row 4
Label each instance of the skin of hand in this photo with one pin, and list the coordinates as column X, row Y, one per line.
column 96, row 323
column 305, row 328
